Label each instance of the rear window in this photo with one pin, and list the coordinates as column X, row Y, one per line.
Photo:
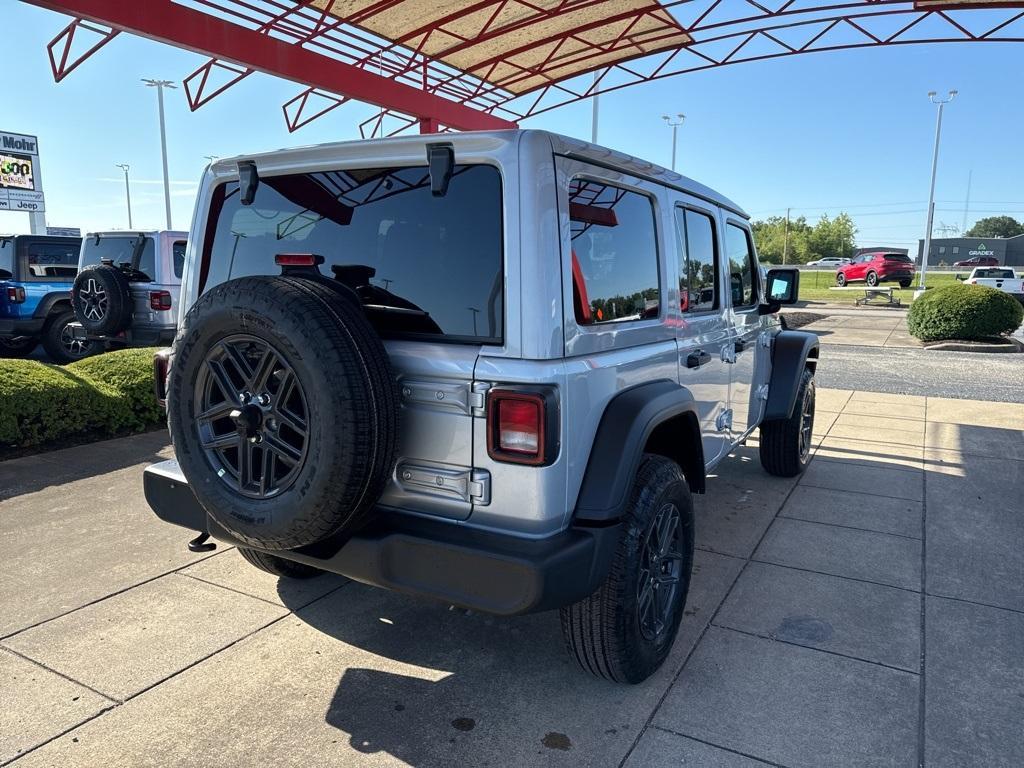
column 121, row 249
column 424, row 266
column 896, row 257
column 50, row 262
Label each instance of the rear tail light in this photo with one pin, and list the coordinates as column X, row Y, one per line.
column 160, row 300
column 16, row 294
column 298, row 260
column 522, row 426
column 161, row 370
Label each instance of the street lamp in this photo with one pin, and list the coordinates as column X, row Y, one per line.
column 160, row 85
column 127, row 191
column 931, row 194
column 680, row 118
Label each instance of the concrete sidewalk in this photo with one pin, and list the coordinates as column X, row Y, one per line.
column 871, row 613
column 886, row 328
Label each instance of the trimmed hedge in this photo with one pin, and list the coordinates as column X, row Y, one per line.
column 964, row 312
column 101, row 396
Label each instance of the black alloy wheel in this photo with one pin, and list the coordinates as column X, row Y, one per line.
column 661, row 561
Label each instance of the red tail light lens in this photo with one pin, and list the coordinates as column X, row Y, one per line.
column 298, row 259
column 159, row 300
column 522, row 427
column 16, row 295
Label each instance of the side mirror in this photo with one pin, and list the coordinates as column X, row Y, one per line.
column 782, row 286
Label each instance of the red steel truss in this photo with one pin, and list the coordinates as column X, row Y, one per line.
column 492, row 63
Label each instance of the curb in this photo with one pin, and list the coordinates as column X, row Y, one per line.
column 1013, row 345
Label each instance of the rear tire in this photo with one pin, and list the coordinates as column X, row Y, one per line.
column 625, row 630
column 840, row 279
column 905, row 284
column 58, row 342
column 101, row 299
column 17, row 347
column 872, row 279
column 786, row 443
column 278, row 566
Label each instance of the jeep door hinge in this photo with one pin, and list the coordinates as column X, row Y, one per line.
column 478, row 398
column 480, row 487
column 724, row 420
column 766, row 340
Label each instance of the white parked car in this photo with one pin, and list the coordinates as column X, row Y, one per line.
column 1001, row 278
column 829, row 261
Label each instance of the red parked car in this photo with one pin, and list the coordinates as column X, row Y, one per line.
column 978, row 261
column 875, row 268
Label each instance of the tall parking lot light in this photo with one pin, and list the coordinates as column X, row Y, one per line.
column 160, row 85
column 931, row 194
column 127, row 191
column 680, row 119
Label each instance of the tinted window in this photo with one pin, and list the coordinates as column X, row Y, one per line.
column 614, row 252
column 422, row 265
column 6, row 257
column 698, row 283
column 178, row 255
column 121, row 249
column 49, row 262
column 742, row 267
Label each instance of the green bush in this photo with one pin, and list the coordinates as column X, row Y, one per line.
column 967, row 312
column 101, row 396
column 129, row 372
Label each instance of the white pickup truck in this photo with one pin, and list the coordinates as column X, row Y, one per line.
column 1001, row 278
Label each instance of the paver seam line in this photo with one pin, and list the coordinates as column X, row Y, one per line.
column 849, row 527
column 819, row 649
column 861, row 462
column 106, row 597
column 65, row 732
column 836, row 575
column 866, row 493
column 114, row 701
column 924, row 592
column 976, row 602
column 716, row 552
column 236, row 591
column 716, row 746
column 714, row 615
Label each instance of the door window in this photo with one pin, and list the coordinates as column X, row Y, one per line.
column 178, row 255
column 742, row 266
column 50, row 262
column 698, row 279
column 614, row 253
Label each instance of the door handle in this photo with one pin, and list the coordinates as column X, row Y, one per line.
column 697, row 359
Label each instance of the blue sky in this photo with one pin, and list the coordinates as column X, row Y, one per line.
column 820, row 133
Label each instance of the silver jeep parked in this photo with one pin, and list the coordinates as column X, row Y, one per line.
column 488, row 368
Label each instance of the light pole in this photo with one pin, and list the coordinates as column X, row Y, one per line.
column 127, row 191
column 680, row 119
column 595, row 107
column 160, row 85
column 931, row 194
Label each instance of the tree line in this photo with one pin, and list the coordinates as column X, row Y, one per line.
column 804, row 242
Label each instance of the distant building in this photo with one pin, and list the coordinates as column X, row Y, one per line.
column 880, row 249
column 1008, row 250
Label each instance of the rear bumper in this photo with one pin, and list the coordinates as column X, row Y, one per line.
column 133, row 337
column 28, row 326
column 484, row 571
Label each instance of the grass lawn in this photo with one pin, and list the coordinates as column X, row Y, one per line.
column 814, row 286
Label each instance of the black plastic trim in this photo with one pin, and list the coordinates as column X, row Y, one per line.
column 47, row 303
column 480, row 570
column 29, row 326
column 628, row 422
column 790, row 353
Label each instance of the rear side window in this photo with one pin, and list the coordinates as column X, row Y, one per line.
column 178, row 257
column 698, row 279
column 742, row 266
column 6, row 257
column 614, row 253
column 423, row 266
column 50, row 262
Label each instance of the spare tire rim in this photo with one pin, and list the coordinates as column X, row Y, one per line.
column 93, row 299
column 661, row 565
column 253, row 418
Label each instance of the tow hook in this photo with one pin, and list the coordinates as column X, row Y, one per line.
column 198, row 544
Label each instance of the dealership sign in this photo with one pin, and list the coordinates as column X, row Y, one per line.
column 981, row 251
column 20, row 187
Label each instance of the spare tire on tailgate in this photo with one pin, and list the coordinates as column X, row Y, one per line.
column 101, row 299
column 283, row 410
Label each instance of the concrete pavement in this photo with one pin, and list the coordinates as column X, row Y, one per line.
column 871, row 613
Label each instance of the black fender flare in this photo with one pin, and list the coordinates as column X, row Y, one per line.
column 628, row 422
column 49, row 301
column 792, row 351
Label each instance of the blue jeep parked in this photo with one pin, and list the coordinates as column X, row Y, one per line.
column 36, row 273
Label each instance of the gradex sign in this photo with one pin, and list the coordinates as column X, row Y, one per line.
column 981, row 250
column 20, row 185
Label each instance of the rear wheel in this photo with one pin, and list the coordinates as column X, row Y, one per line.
column 840, row 279
column 60, row 343
column 872, row 279
column 786, row 443
column 905, row 283
column 278, row 566
column 17, row 346
column 625, row 630
column 101, row 300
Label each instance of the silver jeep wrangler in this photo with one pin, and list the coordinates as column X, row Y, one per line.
column 487, row 368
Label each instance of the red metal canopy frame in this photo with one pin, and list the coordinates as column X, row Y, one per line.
column 492, row 63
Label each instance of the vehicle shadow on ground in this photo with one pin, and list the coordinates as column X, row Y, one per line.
column 36, row 472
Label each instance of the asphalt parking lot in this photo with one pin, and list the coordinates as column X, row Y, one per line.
column 870, row 614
